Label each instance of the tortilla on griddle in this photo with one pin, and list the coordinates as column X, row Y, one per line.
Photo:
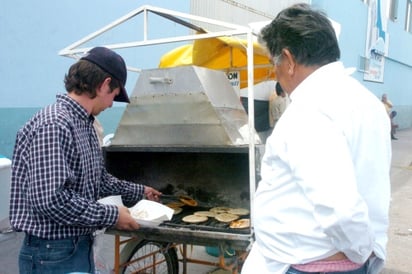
column 239, row 211
column 188, row 200
column 226, row 217
column 174, row 205
column 194, row 219
column 220, row 209
column 205, row 213
column 241, row 223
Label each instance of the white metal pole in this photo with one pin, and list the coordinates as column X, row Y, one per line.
column 251, row 114
column 145, row 24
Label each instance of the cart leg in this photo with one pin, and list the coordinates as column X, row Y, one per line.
column 184, row 259
column 116, row 254
column 237, row 262
column 241, row 257
column 222, row 263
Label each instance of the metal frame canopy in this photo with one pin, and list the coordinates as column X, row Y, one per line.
column 77, row 50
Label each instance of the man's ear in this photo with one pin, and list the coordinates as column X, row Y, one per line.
column 107, row 81
column 105, row 84
column 290, row 60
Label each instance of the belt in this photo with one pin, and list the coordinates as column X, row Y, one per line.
column 31, row 240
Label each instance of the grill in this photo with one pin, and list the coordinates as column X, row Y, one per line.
column 186, row 132
column 210, row 225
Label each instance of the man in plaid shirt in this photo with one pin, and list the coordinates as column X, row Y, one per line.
column 58, row 172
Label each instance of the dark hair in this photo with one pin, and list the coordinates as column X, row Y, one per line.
column 306, row 33
column 279, row 89
column 86, row 77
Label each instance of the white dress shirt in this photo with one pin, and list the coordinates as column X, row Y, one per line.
column 325, row 184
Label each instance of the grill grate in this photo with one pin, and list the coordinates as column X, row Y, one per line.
column 210, row 225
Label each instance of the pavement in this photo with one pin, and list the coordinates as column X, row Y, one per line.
column 400, row 230
column 399, row 246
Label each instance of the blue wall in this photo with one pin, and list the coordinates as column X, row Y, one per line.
column 353, row 17
column 33, row 32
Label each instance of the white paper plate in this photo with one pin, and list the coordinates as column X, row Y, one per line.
column 149, row 213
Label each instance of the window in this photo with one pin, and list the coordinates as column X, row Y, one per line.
column 393, row 10
column 408, row 21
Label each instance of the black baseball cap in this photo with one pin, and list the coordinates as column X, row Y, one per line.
column 112, row 63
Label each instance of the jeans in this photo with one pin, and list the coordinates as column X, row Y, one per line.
column 41, row 256
column 361, row 270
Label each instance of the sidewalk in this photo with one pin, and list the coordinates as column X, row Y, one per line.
column 400, row 230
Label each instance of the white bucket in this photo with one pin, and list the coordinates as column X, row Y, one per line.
column 5, row 182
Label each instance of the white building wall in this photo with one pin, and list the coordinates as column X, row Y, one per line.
column 239, row 12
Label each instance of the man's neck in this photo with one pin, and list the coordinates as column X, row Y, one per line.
column 83, row 100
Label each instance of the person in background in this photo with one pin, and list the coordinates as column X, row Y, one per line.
column 322, row 204
column 387, row 103
column 278, row 105
column 261, row 108
column 394, row 126
column 58, row 172
column 391, row 113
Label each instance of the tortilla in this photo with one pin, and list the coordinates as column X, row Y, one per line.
column 239, row 211
column 226, row 217
column 174, row 205
column 188, row 200
column 205, row 213
column 193, row 219
column 241, row 223
column 220, row 209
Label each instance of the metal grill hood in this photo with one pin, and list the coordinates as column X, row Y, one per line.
column 183, row 106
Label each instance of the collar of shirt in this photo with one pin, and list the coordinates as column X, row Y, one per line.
column 334, row 68
column 76, row 108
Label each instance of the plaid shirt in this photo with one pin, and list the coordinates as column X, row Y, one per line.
column 58, row 175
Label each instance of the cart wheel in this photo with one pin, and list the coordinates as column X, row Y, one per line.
column 152, row 257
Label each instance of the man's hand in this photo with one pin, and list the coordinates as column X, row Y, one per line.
column 126, row 221
column 151, row 193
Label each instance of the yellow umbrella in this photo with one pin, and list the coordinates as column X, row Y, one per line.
column 221, row 53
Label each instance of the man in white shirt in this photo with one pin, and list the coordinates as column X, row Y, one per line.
column 322, row 204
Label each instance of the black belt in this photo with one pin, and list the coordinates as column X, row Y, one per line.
column 32, row 240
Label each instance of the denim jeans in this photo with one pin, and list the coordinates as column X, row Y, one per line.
column 362, row 270
column 41, row 256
